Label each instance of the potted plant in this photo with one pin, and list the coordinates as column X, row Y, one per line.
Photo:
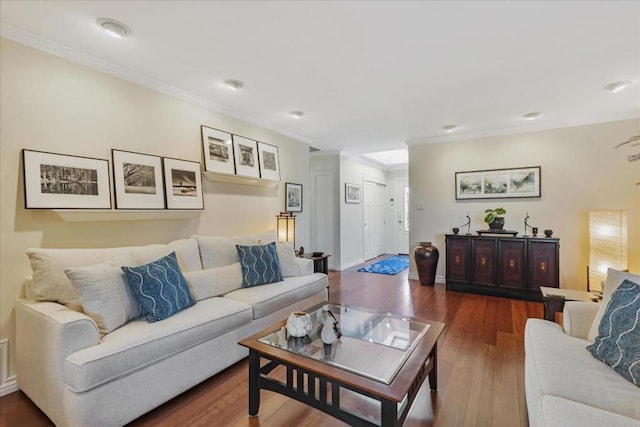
column 493, row 218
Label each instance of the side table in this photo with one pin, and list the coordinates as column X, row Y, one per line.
column 554, row 298
column 320, row 263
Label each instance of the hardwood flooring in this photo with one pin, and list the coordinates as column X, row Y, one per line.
column 481, row 365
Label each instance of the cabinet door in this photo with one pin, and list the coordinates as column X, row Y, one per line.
column 458, row 259
column 512, row 263
column 483, row 255
column 543, row 264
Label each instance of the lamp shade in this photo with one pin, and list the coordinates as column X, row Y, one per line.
column 286, row 227
column 607, row 245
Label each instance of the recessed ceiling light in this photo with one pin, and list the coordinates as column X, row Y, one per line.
column 449, row 128
column 233, row 84
column 113, row 28
column 617, row 86
column 296, row 114
column 531, row 116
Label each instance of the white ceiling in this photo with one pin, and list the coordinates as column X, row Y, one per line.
column 369, row 76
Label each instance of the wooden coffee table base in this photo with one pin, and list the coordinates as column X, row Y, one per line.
column 323, row 393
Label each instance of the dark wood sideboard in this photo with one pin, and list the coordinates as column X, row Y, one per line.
column 513, row 267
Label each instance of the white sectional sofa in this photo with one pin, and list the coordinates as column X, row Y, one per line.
column 80, row 377
column 565, row 384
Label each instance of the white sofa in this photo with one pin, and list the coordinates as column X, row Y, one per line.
column 80, row 377
column 565, row 385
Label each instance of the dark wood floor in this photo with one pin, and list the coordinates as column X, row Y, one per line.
column 481, row 372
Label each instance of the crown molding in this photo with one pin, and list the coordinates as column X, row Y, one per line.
column 626, row 115
column 37, row 42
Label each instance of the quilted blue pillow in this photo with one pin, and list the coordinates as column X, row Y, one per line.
column 618, row 340
column 159, row 287
column 259, row 264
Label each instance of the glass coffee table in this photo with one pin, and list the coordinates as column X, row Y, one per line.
column 381, row 358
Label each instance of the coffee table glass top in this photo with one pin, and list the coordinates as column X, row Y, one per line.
column 374, row 345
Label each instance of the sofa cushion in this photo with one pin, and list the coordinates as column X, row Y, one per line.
column 104, row 293
column 160, row 287
column 287, row 259
column 187, row 253
column 217, row 251
column 560, row 412
column 50, row 283
column 560, row 365
column 139, row 344
column 259, row 264
column 614, row 279
column 618, row 341
column 270, row 298
column 214, row 281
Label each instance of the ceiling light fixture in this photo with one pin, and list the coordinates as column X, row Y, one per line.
column 296, row 114
column 233, row 84
column 449, row 128
column 617, row 86
column 113, row 28
column 531, row 116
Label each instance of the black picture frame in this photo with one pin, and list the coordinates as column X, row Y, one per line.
column 292, row 197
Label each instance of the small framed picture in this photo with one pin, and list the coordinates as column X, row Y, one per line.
column 246, row 156
column 217, row 150
column 137, row 180
column 293, row 197
column 269, row 162
column 60, row 181
column 351, row 193
column 182, row 184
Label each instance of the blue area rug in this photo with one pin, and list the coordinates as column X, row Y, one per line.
column 392, row 265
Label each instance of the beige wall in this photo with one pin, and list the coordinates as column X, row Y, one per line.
column 581, row 171
column 50, row 104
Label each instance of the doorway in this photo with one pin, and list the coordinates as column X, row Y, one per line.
column 402, row 216
column 374, row 223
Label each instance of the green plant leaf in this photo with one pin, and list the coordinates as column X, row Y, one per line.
column 488, row 218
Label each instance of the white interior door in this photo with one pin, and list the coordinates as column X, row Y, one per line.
column 373, row 221
column 323, row 223
column 402, row 216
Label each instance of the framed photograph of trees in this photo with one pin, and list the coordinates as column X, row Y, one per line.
column 60, row 181
column 137, row 180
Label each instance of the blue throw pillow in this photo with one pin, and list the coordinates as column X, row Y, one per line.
column 618, row 340
column 159, row 287
column 259, row 264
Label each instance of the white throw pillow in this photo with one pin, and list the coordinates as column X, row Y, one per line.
column 287, row 259
column 214, row 281
column 106, row 297
column 186, row 250
column 49, row 281
column 614, row 279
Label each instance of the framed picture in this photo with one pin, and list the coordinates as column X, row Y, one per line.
column 269, row 162
column 351, row 193
column 60, row 181
column 137, row 180
column 246, row 156
column 182, row 184
column 499, row 183
column 217, row 151
column 293, row 197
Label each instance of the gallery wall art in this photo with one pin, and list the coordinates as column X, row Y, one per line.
column 499, row 183
column 137, row 180
column 61, row 181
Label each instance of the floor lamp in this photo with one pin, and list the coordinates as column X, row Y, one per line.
column 607, row 246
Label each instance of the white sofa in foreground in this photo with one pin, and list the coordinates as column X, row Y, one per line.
column 79, row 376
column 565, row 384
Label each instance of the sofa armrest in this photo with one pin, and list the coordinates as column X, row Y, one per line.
column 578, row 316
column 305, row 266
column 46, row 333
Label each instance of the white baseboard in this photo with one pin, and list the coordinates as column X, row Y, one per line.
column 8, row 384
column 349, row 264
column 441, row 280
